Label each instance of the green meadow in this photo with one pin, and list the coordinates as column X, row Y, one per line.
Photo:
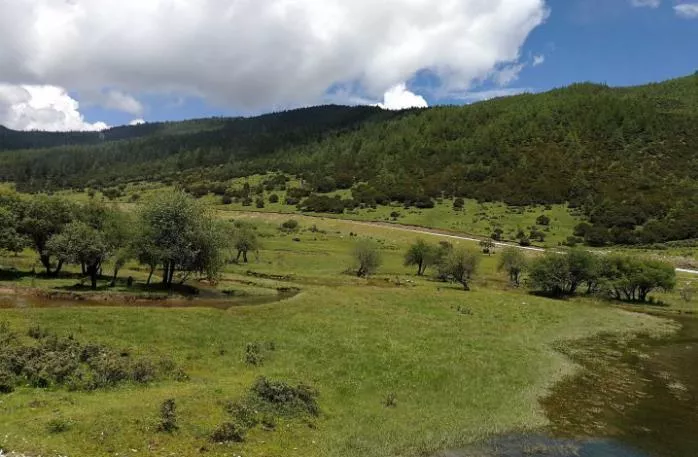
column 403, row 366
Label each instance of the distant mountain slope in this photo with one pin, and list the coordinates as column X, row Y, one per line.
column 627, row 156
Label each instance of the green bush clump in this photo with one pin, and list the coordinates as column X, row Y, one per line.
column 229, row 432
column 286, row 399
column 168, row 416
column 53, row 361
column 267, row 401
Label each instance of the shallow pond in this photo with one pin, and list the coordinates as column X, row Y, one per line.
column 632, row 399
column 219, row 301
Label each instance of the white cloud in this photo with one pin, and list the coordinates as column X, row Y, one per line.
column 538, row 60
column 507, row 74
column 646, row 3
column 137, row 122
column 258, row 53
column 120, row 101
column 49, row 108
column 399, row 97
column 687, row 10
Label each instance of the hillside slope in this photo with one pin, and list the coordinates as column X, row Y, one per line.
column 627, row 156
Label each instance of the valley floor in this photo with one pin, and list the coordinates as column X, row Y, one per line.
column 404, row 366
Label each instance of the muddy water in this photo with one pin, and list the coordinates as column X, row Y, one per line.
column 632, row 399
column 217, row 302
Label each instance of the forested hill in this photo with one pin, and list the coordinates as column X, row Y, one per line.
column 628, row 156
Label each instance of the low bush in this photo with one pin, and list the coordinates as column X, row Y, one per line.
column 52, row 361
column 168, row 416
column 286, row 399
column 229, row 432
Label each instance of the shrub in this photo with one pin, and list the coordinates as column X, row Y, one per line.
column 458, row 204
column 7, row 382
column 543, row 220
column 253, row 354
column 168, row 416
column 226, row 199
column 273, row 198
column 290, row 225
column 229, row 432
column 259, row 202
column 286, row 399
column 243, row 413
column 367, row 258
column 391, row 400
column 57, row 425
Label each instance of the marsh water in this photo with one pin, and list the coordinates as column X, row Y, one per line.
column 631, row 399
column 207, row 300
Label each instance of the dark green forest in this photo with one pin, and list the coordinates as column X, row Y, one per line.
column 626, row 157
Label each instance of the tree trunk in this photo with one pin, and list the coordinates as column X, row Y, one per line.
column 171, row 277
column 46, row 262
column 166, row 273
column 93, row 271
column 58, row 269
column 465, row 285
column 113, row 279
column 150, row 275
column 244, row 256
column 84, row 268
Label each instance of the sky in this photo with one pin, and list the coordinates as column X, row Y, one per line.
column 92, row 64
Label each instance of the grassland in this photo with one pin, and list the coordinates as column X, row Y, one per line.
column 476, row 218
column 461, row 366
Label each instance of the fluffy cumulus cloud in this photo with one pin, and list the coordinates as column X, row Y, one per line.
column 399, row 97
column 252, row 54
column 26, row 107
column 687, row 10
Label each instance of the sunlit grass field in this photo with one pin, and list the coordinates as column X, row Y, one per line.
column 460, row 365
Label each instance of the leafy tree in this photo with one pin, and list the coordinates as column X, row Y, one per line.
column 120, row 233
column 583, row 268
column 550, row 274
column 422, row 255
column 367, row 258
column 460, row 265
column 40, row 218
column 633, row 279
column 561, row 274
column 10, row 240
column 178, row 233
column 244, row 241
column 80, row 244
column 514, row 262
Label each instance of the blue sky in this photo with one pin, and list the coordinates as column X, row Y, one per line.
column 158, row 60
